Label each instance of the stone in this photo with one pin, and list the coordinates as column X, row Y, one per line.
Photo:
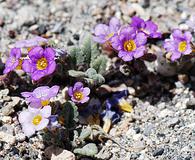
column 138, row 146
column 27, row 15
column 8, row 138
column 172, row 122
column 164, row 113
column 158, row 152
column 9, row 106
column 58, row 28
column 56, row 153
column 149, row 129
column 20, row 137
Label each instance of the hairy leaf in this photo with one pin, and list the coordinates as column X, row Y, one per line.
column 74, row 73
column 88, row 150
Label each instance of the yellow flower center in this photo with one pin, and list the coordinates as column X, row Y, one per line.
column 28, row 49
column 110, row 35
column 182, row 46
column 45, row 102
column 42, row 64
column 19, row 67
column 78, row 95
column 129, row 45
column 37, row 119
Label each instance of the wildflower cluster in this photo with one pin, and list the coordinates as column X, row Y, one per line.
column 83, row 71
column 39, row 62
column 36, row 117
column 130, row 41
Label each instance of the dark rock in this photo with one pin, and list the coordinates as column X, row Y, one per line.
column 76, row 37
column 70, row 43
column 42, row 29
column 15, row 150
column 137, row 130
column 188, row 158
column 12, row 34
column 158, row 152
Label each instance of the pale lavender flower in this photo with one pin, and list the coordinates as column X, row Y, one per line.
column 148, row 27
column 78, row 93
column 41, row 62
column 35, row 120
column 40, row 96
column 14, row 61
column 103, row 33
column 36, row 41
column 178, row 44
column 129, row 43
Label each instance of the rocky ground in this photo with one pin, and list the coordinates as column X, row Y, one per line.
column 160, row 128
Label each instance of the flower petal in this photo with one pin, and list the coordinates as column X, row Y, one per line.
column 175, row 56
column 141, row 39
column 101, row 29
column 137, row 22
column 24, row 116
column 38, row 75
column 35, row 53
column 84, row 100
column 125, row 55
column 27, row 66
column 70, row 91
column 16, row 52
column 46, row 111
column 86, row 91
column 78, row 86
column 114, row 24
column 49, row 53
column 26, row 94
column 53, row 91
column 188, row 36
column 28, row 129
column 44, row 122
column 100, row 39
column 139, row 52
column 177, row 33
column 51, row 67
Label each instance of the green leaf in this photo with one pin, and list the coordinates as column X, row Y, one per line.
column 70, row 114
column 86, row 49
column 77, row 74
column 88, row 150
column 86, row 132
column 90, row 72
column 99, row 64
column 98, row 78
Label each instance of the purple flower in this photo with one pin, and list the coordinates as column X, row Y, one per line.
column 30, row 42
column 34, row 121
column 78, row 93
column 103, row 33
column 53, row 123
column 41, row 62
column 147, row 27
column 129, row 43
column 178, row 44
column 14, row 61
column 40, row 96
